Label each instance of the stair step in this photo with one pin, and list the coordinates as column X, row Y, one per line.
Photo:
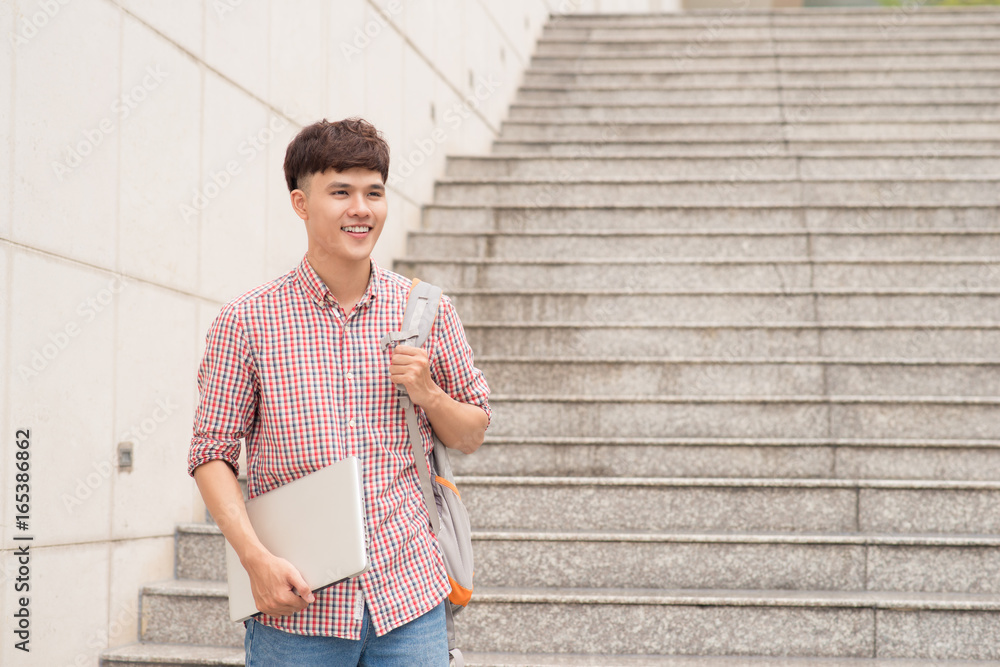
column 807, row 129
column 735, row 166
column 779, row 15
column 970, row 191
column 186, row 611
column 969, row 306
column 642, row 273
column 556, row 340
column 199, row 554
column 732, row 29
column 814, row 80
column 693, row 48
column 746, row 417
column 951, row 17
column 708, row 218
column 581, row 660
column 150, row 655
column 734, row 457
column 755, row 618
column 766, row 62
column 741, row 149
column 746, row 244
column 801, row 623
column 617, row 94
column 818, row 16
column 743, row 561
column 835, row 562
column 175, row 655
column 777, row 35
column 613, row 377
column 758, row 113
column 730, row 504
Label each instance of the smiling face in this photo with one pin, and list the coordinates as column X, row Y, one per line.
column 344, row 212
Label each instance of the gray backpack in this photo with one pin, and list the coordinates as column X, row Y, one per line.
column 449, row 518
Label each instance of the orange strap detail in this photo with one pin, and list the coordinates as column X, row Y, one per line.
column 459, row 595
column 442, row 480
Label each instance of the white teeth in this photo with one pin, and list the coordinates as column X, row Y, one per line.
column 361, row 229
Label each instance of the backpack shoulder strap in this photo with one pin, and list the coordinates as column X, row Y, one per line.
column 418, row 320
column 421, row 310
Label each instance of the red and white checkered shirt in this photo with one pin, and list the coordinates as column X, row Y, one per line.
column 306, row 385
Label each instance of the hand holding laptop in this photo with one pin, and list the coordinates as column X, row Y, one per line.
column 276, row 584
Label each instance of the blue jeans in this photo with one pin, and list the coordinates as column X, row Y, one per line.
column 423, row 642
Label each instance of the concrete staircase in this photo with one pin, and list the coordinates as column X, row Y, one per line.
column 734, row 281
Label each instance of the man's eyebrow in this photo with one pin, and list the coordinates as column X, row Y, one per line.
column 343, row 186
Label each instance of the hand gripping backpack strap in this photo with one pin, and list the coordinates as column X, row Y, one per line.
column 421, row 310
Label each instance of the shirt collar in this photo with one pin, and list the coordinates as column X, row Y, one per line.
column 317, row 290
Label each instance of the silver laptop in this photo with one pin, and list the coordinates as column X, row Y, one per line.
column 317, row 523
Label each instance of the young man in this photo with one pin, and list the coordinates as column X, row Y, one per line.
column 295, row 368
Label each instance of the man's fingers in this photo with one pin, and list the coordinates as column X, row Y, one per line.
column 405, row 364
column 279, row 589
column 407, row 354
column 404, row 358
column 300, row 587
column 287, row 601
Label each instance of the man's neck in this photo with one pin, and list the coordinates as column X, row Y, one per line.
column 347, row 282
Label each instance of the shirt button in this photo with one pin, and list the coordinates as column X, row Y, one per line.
column 349, row 376
column 351, row 423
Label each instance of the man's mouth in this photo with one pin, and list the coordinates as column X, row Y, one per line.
column 357, row 229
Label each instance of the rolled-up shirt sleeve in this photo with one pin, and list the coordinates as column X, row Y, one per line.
column 452, row 364
column 227, row 393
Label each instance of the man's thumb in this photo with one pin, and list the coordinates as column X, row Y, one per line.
column 300, row 587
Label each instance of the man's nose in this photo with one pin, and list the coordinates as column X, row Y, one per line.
column 359, row 206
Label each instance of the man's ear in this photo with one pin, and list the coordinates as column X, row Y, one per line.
column 299, row 200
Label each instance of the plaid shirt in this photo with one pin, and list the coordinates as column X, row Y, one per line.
column 306, row 385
